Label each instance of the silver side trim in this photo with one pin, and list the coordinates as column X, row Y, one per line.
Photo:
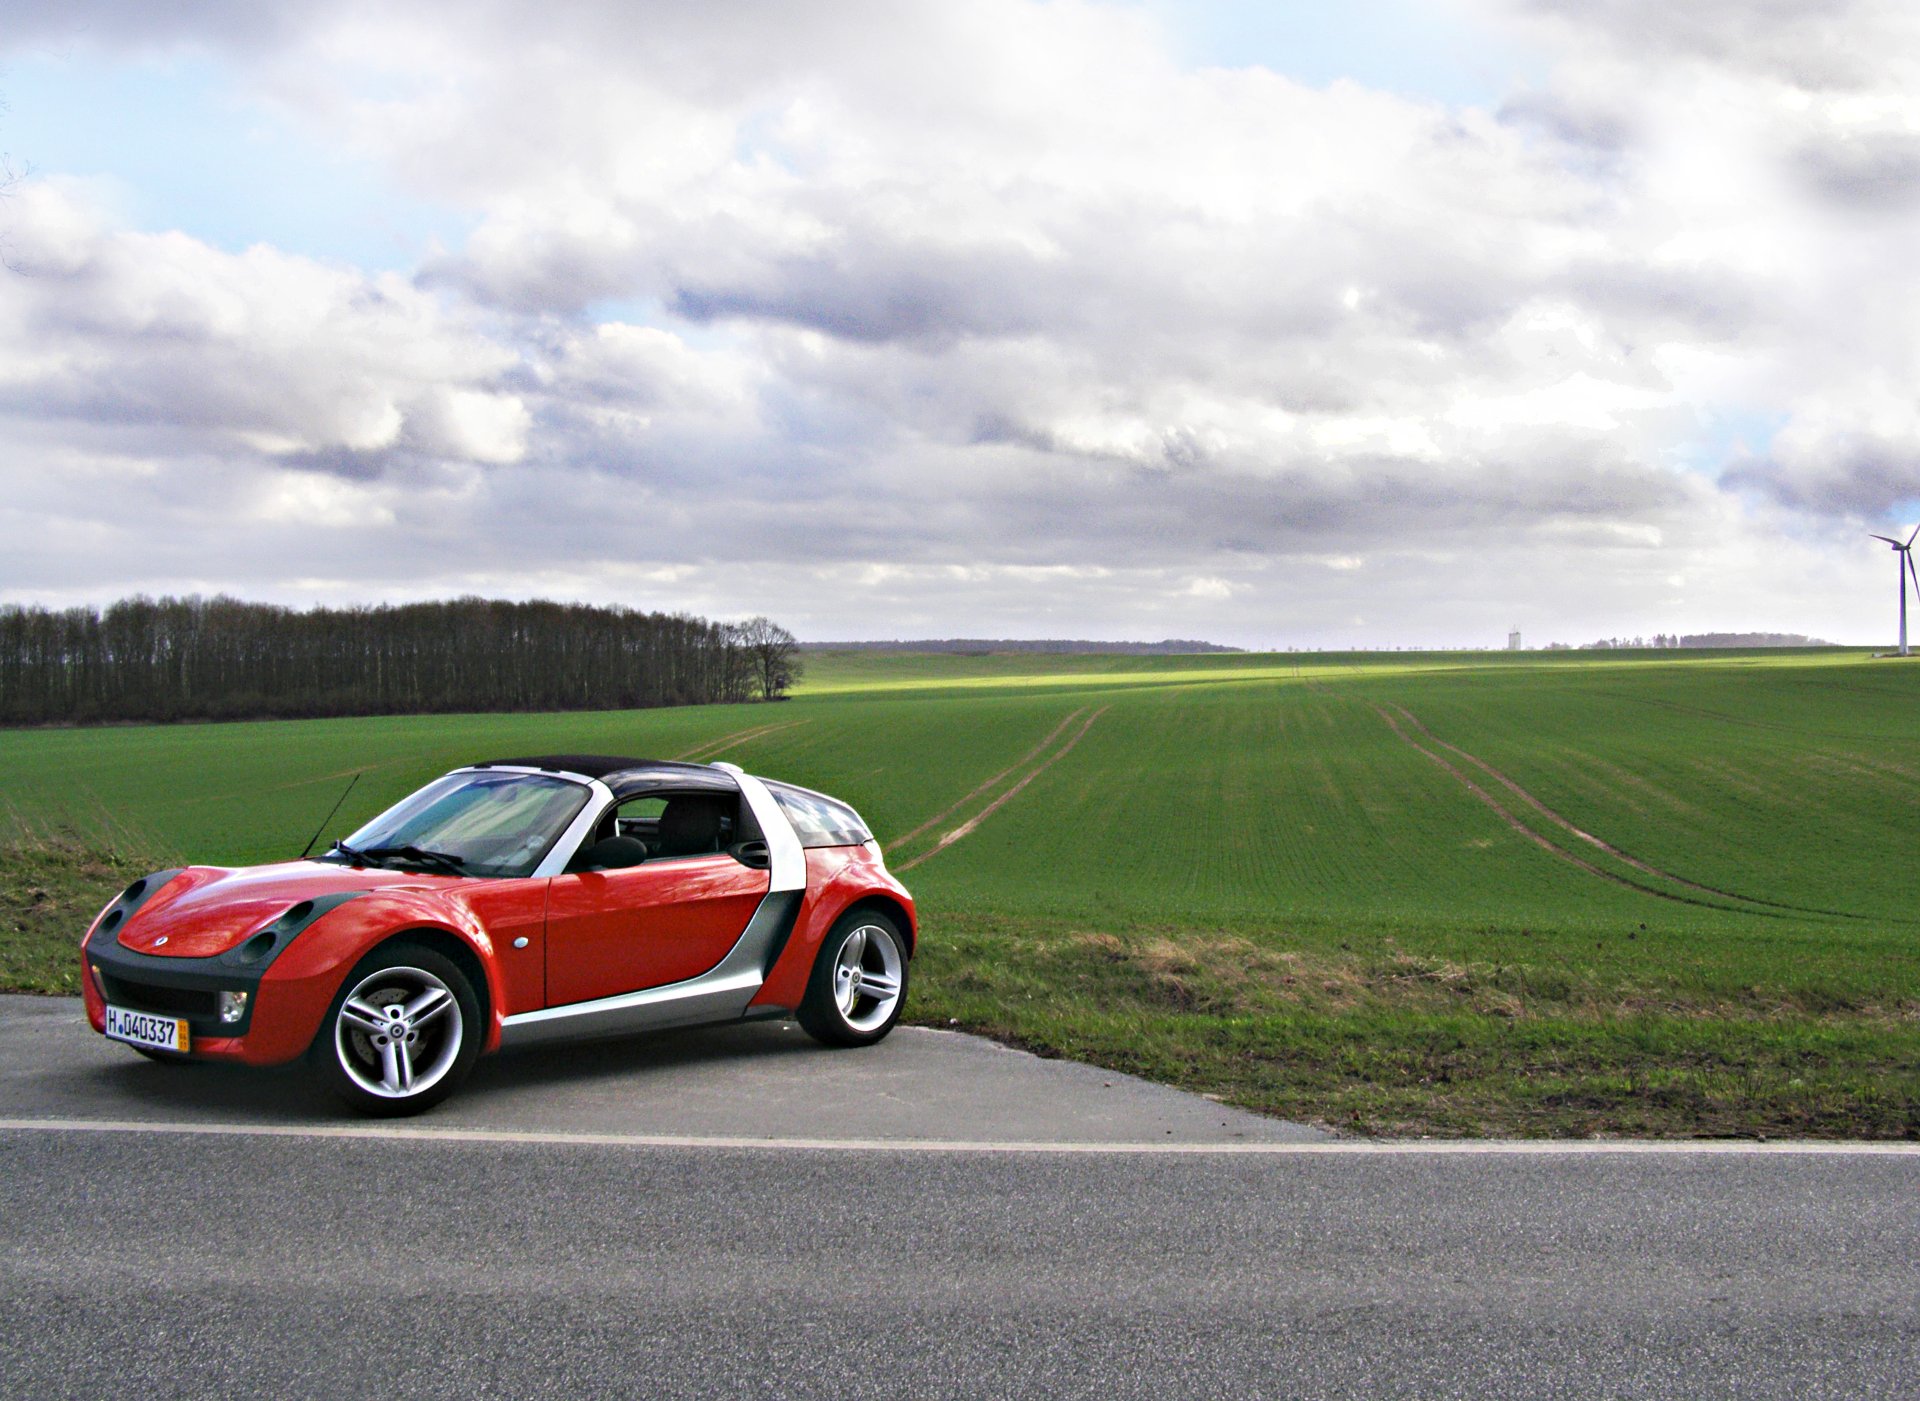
column 706, row 998
column 717, row 995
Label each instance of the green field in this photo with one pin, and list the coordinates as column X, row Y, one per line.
column 1441, row 893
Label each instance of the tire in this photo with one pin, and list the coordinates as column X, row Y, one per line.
column 843, row 1007
column 380, row 1059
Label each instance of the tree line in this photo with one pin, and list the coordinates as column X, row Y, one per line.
column 1695, row 640
column 225, row 659
column 987, row 646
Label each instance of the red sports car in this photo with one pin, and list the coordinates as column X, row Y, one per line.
column 507, row 903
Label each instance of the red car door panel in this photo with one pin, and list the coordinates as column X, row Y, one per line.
column 610, row 932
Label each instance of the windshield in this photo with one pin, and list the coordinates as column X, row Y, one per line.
column 475, row 824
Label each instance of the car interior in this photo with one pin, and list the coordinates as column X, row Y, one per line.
column 661, row 827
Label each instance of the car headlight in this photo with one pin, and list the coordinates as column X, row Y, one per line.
column 233, row 1006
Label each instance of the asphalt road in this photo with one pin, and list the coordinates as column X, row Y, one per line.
column 759, row 1081
column 210, row 1251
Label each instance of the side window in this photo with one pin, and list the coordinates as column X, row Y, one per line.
column 819, row 820
column 639, row 818
column 672, row 825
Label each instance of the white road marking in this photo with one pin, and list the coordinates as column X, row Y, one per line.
column 1401, row 1148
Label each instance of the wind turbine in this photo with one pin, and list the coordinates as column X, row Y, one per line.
column 1903, row 566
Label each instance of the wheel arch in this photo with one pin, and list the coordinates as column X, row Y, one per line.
column 463, row 956
column 418, row 947
column 892, row 908
column 841, row 891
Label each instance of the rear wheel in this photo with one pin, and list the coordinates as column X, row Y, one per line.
column 859, row 981
column 402, row 1033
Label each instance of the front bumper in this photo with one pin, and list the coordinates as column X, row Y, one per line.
column 286, row 998
column 170, row 987
column 281, row 1019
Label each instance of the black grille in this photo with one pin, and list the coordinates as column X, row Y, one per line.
column 172, row 1002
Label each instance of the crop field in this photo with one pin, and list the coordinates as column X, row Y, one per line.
column 1582, row 893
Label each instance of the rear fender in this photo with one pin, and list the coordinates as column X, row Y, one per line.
column 838, row 878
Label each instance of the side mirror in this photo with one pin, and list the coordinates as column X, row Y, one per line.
column 753, row 853
column 611, row 854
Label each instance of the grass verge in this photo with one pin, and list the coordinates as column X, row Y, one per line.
column 52, row 883
column 1380, row 1042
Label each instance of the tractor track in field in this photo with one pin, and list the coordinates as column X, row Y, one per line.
column 726, row 742
column 967, row 827
column 1014, row 767
column 1552, row 848
column 1598, row 843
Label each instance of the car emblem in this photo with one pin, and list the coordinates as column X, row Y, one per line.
column 161, row 940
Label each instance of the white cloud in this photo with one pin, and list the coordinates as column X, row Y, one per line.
column 1207, row 587
column 1024, row 326
column 308, row 499
column 257, row 352
column 471, row 425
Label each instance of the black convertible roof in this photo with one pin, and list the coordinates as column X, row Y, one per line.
column 626, row 777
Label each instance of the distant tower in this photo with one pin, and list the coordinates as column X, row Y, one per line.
column 1513, row 640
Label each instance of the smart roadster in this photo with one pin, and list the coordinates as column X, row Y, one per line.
column 509, row 903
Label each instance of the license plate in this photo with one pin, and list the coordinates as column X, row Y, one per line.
column 145, row 1029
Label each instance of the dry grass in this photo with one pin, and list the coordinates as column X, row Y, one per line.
column 52, row 883
column 1225, row 974
column 1371, row 1037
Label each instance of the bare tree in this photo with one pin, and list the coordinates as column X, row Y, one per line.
column 775, row 654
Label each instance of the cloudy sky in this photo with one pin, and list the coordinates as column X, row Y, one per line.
column 1173, row 318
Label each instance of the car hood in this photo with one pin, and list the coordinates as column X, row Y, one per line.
column 206, row 910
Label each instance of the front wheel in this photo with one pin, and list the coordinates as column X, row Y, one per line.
column 402, row 1033
column 859, row 981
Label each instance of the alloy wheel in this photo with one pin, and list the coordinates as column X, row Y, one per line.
column 399, row 1032
column 867, row 977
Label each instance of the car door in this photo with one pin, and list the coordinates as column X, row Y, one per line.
column 665, row 921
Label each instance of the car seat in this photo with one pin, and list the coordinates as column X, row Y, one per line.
column 690, row 825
